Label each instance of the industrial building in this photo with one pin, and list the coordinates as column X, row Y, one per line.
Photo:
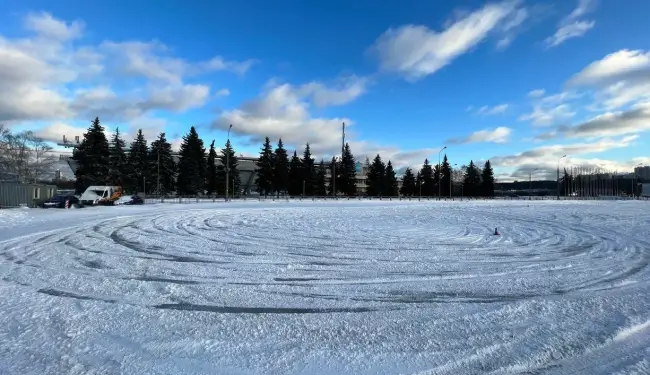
column 643, row 172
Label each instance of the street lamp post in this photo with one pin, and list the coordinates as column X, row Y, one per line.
column 558, row 176
column 228, row 162
column 439, row 171
column 530, row 183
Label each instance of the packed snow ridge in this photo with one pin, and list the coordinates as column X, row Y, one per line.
column 349, row 287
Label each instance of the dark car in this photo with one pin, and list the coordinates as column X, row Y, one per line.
column 130, row 199
column 58, row 201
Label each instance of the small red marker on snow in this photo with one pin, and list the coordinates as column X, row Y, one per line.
column 496, row 232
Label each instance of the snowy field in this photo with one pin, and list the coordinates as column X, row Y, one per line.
column 351, row 287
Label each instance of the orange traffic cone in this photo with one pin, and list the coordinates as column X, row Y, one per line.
column 496, row 232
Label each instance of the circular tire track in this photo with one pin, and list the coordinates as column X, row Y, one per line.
column 335, row 259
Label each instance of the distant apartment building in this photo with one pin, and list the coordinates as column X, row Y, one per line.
column 361, row 171
column 643, row 172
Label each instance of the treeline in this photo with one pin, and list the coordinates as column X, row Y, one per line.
column 24, row 157
column 152, row 169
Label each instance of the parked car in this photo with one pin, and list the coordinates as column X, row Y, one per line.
column 58, row 201
column 129, row 199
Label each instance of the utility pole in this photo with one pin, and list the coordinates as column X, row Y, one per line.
column 439, row 171
column 558, row 176
column 530, row 183
column 228, row 162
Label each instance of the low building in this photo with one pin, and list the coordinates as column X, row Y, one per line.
column 16, row 194
column 645, row 190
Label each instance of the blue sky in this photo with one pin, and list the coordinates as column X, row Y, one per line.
column 518, row 82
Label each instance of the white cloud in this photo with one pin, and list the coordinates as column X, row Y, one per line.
column 573, row 30
column 511, row 26
column 49, row 27
column 103, row 102
column 497, row 135
column 344, row 91
column 619, row 79
column 219, row 63
column 223, row 92
column 546, row 157
column 415, row 51
column 55, row 132
column 550, row 110
column 536, row 93
column 572, row 26
column 618, row 66
column 634, row 121
column 37, row 72
column 282, row 111
column 545, row 116
column 495, row 110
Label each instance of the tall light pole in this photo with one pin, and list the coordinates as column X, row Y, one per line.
column 439, row 171
column 228, row 162
column 558, row 176
column 530, row 182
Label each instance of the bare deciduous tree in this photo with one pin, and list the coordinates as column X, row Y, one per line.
column 24, row 157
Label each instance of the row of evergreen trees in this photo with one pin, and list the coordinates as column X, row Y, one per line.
column 431, row 181
column 152, row 169
column 277, row 174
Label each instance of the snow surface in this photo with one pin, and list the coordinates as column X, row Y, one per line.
column 348, row 287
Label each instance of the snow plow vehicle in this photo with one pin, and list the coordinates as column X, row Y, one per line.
column 101, row 195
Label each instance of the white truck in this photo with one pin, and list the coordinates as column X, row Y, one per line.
column 101, row 195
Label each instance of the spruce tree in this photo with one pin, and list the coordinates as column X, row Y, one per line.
column 117, row 162
column 390, row 181
column 418, row 184
column 161, row 158
column 348, row 175
column 295, row 175
column 487, row 180
column 321, row 184
column 264, row 169
column 280, row 169
column 471, row 181
column 234, row 180
column 191, row 165
column 428, row 181
column 564, row 180
column 408, row 183
column 446, row 177
column 375, row 179
column 92, row 157
column 309, row 172
column 211, row 174
column 334, row 169
column 138, row 161
column 436, row 179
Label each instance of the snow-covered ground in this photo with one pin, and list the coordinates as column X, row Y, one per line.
column 344, row 287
